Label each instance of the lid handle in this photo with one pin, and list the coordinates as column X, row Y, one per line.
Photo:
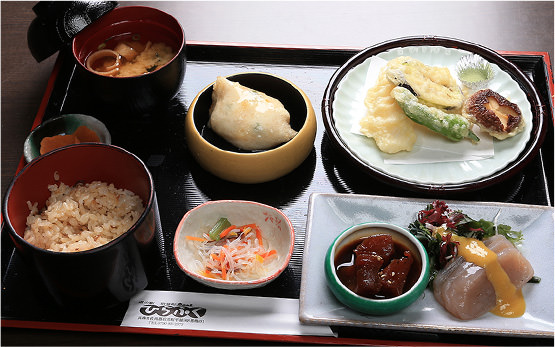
column 58, row 22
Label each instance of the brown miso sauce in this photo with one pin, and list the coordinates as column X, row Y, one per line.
column 345, row 268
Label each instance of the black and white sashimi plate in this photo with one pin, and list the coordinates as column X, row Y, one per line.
column 330, row 214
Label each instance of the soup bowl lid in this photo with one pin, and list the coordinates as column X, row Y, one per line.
column 57, row 23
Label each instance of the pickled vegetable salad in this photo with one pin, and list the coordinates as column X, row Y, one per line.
column 232, row 253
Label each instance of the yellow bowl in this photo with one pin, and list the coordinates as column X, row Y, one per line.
column 229, row 163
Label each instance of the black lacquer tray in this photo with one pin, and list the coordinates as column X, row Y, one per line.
column 157, row 137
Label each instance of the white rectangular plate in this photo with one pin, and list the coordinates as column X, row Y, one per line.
column 330, row 214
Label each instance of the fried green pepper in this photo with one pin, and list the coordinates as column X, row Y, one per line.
column 453, row 126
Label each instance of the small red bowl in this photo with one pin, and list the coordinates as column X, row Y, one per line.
column 137, row 93
column 101, row 276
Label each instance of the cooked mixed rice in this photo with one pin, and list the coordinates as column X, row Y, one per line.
column 82, row 217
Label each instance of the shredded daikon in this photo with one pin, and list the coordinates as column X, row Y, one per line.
column 242, row 255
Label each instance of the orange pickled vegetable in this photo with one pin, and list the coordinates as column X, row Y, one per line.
column 48, row 144
column 85, row 134
column 82, row 134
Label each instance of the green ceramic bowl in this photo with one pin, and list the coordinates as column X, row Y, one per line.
column 376, row 306
column 66, row 124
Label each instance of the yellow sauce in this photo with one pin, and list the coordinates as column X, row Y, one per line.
column 510, row 301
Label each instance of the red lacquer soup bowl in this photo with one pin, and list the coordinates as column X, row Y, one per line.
column 157, row 78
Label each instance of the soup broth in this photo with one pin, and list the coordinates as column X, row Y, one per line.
column 129, row 55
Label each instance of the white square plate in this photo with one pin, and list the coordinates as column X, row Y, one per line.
column 330, row 214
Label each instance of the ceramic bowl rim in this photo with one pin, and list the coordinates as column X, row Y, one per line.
column 218, row 283
column 338, row 285
column 26, row 144
column 148, row 204
column 282, row 147
column 146, row 8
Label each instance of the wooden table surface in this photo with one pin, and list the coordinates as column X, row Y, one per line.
column 499, row 25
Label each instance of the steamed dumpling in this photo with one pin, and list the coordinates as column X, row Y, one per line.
column 248, row 119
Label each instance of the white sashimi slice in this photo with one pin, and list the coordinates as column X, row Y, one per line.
column 463, row 289
column 517, row 267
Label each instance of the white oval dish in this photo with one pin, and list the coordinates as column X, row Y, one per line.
column 328, row 214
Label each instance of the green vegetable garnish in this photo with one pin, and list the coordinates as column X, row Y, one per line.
column 152, row 68
column 217, row 229
column 441, row 249
column 512, row 235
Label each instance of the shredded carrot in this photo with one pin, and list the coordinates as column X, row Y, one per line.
column 252, row 225
column 246, row 230
column 258, row 235
column 226, row 231
column 194, row 238
column 266, row 255
column 224, row 272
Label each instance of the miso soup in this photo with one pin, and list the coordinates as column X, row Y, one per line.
column 129, row 55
